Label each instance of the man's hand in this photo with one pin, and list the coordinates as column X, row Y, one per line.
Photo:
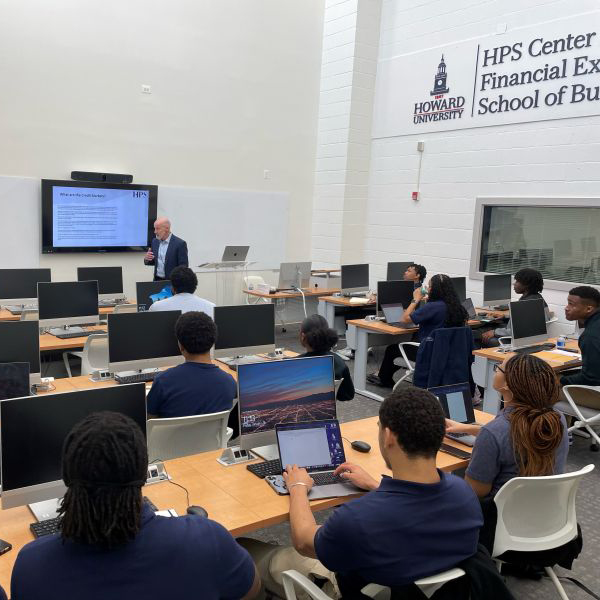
column 295, row 474
column 356, row 475
column 149, row 255
column 487, row 335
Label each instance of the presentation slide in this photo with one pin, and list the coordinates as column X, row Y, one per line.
column 87, row 217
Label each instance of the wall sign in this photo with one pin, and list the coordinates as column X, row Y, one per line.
column 547, row 71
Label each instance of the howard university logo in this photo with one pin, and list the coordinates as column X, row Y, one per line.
column 440, row 108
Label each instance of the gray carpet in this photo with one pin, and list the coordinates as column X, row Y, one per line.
column 586, row 568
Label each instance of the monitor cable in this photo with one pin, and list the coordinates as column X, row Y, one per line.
column 298, row 289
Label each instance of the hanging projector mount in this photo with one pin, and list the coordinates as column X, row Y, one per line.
column 101, row 177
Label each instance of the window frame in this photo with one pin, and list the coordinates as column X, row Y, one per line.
column 537, row 201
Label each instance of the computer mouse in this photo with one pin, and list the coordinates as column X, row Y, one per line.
column 197, row 510
column 361, row 446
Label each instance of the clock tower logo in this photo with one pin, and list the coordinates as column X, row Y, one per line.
column 440, row 87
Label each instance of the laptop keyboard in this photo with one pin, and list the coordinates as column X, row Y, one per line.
column 326, row 478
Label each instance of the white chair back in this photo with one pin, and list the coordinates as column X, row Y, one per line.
column 291, row 578
column 95, row 353
column 251, row 281
column 537, row 513
column 479, row 371
column 30, row 314
column 125, row 308
column 184, row 436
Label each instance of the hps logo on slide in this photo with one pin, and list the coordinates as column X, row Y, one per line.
column 439, row 108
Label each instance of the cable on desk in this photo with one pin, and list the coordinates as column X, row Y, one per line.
column 187, row 494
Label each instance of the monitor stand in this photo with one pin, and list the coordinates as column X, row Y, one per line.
column 270, row 452
column 65, row 329
column 48, row 509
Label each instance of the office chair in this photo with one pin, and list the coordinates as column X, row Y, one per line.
column 582, row 403
column 537, row 513
column 94, row 356
column 183, row 436
column 404, row 362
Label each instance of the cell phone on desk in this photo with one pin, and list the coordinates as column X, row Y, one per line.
column 4, row 547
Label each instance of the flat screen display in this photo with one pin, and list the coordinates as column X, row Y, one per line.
column 110, row 279
column 245, row 326
column 97, row 217
column 21, row 283
column 63, row 299
column 20, row 342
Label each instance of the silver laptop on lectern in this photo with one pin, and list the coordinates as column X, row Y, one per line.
column 317, row 446
column 235, row 253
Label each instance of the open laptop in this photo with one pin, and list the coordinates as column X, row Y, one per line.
column 473, row 316
column 317, row 446
column 458, row 406
column 235, row 253
column 14, row 380
column 393, row 313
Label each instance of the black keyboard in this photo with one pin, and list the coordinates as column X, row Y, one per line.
column 455, row 451
column 76, row 334
column 325, row 478
column 534, row 349
column 136, row 377
column 41, row 528
column 269, row 467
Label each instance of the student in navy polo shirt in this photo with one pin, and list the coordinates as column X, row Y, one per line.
column 112, row 545
column 416, row 523
column 196, row 387
column 441, row 308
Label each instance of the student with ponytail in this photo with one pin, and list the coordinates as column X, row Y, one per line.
column 528, row 437
column 318, row 339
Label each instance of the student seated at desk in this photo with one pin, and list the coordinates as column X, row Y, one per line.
column 528, row 437
column 318, row 339
column 418, row 522
column 197, row 386
column 530, row 284
column 415, row 273
column 583, row 305
column 442, row 309
column 184, row 283
column 112, row 545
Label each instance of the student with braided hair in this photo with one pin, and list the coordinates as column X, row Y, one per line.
column 112, row 545
column 528, row 437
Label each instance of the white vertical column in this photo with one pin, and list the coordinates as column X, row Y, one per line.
column 350, row 45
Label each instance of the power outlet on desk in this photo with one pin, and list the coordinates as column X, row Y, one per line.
column 234, row 456
column 157, row 473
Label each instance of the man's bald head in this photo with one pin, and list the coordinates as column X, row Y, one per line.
column 162, row 228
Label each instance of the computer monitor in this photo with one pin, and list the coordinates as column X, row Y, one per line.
column 528, row 322
column 460, row 287
column 394, row 292
column 244, row 330
column 20, row 342
column 14, row 380
column 283, row 391
column 33, row 429
column 396, row 270
column 143, row 340
column 68, row 303
column 355, row 278
column 110, row 280
column 148, row 292
column 496, row 289
column 19, row 286
column 296, row 274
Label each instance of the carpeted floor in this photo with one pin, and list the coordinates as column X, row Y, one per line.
column 587, row 566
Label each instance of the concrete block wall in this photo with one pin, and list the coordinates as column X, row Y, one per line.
column 550, row 158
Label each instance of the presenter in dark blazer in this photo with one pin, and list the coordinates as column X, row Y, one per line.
column 167, row 251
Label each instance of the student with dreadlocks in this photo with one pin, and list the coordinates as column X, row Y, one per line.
column 525, row 439
column 112, row 545
column 529, row 283
column 442, row 309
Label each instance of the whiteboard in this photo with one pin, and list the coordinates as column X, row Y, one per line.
column 210, row 219
column 207, row 219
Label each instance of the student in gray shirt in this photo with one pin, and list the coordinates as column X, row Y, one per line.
column 528, row 437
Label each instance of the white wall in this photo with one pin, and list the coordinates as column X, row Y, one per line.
column 551, row 158
column 235, row 87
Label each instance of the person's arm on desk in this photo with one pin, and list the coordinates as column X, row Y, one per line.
column 302, row 520
column 456, row 427
column 417, row 297
column 357, row 475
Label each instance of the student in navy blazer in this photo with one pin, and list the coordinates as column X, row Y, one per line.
column 166, row 251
